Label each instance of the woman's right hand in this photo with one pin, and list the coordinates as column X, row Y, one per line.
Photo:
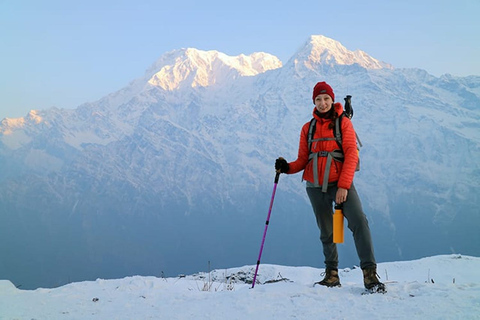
column 281, row 165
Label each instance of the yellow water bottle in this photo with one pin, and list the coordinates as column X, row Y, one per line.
column 338, row 224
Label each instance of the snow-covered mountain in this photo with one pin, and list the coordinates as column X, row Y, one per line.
column 193, row 68
column 322, row 51
column 155, row 176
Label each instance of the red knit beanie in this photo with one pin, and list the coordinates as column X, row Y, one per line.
column 321, row 88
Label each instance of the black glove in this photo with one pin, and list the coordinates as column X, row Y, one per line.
column 281, row 165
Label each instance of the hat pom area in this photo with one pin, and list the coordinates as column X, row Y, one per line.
column 322, row 88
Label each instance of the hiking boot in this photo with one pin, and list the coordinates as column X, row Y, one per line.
column 370, row 280
column 331, row 278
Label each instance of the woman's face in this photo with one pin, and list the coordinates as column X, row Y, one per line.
column 323, row 102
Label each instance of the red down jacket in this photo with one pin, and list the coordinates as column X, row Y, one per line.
column 340, row 172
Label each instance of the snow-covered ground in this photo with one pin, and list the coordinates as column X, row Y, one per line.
column 440, row 287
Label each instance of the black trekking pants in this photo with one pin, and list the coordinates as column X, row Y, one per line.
column 322, row 204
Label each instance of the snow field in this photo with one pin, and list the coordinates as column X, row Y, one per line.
column 420, row 289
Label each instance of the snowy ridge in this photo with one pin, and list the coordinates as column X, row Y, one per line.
column 197, row 68
column 17, row 132
column 439, row 287
column 320, row 50
column 9, row 125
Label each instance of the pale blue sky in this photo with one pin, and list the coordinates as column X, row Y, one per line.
column 63, row 53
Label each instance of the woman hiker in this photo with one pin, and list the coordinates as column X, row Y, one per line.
column 313, row 158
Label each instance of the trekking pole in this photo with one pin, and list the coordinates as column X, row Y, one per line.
column 266, row 227
column 348, row 106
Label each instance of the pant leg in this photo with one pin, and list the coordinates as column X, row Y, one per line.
column 358, row 224
column 322, row 204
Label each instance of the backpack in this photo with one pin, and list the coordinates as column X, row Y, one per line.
column 336, row 154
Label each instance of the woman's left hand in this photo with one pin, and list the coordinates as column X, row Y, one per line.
column 341, row 196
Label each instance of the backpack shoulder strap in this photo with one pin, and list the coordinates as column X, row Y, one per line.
column 311, row 132
column 337, row 130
